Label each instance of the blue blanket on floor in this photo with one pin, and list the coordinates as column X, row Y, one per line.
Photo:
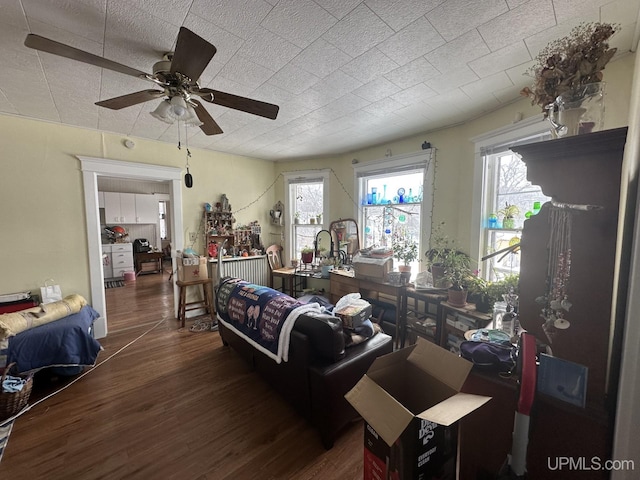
column 264, row 317
column 67, row 342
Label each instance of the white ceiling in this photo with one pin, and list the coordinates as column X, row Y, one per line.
column 346, row 73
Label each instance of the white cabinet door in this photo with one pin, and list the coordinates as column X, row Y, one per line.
column 128, row 207
column 147, row 209
column 112, row 207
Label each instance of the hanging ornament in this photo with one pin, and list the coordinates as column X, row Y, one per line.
column 188, row 178
column 402, row 218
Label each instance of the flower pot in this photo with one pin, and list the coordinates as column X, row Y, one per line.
column 483, row 305
column 509, row 223
column 437, row 272
column 307, row 257
column 405, row 273
column 457, row 298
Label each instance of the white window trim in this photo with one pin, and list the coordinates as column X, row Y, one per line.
column 423, row 159
column 528, row 127
column 288, row 204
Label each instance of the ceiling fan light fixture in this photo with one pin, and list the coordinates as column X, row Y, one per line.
column 191, row 118
column 178, row 108
column 162, row 112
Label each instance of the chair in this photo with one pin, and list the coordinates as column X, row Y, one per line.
column 278, row 270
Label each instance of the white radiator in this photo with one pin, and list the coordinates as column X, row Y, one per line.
column 252, row 269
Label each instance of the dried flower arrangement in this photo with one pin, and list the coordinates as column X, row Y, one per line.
column 569, row 62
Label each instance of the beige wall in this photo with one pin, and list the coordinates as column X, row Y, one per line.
column 42, row 226
column 42, row 220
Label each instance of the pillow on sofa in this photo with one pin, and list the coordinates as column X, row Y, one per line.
column 325, row 334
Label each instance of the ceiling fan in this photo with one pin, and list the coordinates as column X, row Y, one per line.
column 177, row 74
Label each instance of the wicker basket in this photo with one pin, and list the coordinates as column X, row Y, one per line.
column 12, row 402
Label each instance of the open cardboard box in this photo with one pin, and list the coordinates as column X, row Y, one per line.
column 410, row 400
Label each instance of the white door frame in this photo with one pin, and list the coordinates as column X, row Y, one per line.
column 92, row 168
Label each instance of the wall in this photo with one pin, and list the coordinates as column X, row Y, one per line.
column 43, row 233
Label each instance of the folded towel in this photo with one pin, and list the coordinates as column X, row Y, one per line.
column 13, row 384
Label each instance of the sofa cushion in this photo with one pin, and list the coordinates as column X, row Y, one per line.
column 325, row 334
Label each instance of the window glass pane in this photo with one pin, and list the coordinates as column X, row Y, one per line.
column 510, row 186
column 308, row 204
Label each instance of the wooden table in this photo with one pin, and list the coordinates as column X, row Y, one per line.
column 142, row 261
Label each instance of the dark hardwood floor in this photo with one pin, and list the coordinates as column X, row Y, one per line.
column 173, row 404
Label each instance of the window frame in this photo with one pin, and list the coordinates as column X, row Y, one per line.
column 289, row 203
column 529, row 130
column 424, row 159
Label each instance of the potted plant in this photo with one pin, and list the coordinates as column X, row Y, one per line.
column 307, row 254
column 457, row 271
column 509, row 213
column 485, row 294
column 441, row 246
column 326, row 265
column 407, row 252
column 319, row 218
column 296, row 218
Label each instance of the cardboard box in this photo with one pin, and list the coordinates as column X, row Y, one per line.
column 373, row 271
column 192, row 268
column 410, row 400
column 352, row 316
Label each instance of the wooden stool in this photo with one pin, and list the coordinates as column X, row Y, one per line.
column 206, row 303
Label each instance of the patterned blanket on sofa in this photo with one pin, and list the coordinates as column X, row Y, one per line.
column 264, row 317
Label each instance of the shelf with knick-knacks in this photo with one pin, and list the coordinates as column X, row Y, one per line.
column 218, row 226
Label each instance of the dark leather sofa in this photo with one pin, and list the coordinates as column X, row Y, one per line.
column 319, row 372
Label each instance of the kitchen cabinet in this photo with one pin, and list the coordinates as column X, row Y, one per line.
column 146, row 209
column 129, row 208
column 119, row 207
column 117, row 259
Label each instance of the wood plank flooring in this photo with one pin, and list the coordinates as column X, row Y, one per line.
column 174, row 404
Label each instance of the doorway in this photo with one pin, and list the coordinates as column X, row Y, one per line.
column 92, row 168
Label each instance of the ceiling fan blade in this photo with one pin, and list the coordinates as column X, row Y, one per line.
column 209, row 125
column 56, row 48
column 124, row 101
column 192, row 54
column 256, row 107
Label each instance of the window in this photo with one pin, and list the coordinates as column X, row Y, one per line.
column 307, row 202
column 394, row 205
column 500, row 180
column 162, row 216
column 507, row 184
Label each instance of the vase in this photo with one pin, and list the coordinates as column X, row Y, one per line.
column 579, row 110
column 405, row 273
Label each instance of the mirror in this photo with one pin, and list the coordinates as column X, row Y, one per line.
column 345, row 238
column 323, row 244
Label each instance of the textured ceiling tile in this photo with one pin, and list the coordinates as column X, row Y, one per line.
column 293, row 79
column 413, row 41
column 271, row 94
column 459, row 51
column 487, row 85
column 171, row 11
column 244, row 71
column 311, row 99
column 321, row 58
column 537, row 42
column 519, row 74
column 11, row 14
column 336, row 85
column 452, row 79
column 412, row 73
column 299, row 21
column 338, row 8
column 268, row 49
column 5, row 105
column 507, row 95
column 376, row 89
column 68, row 38
column 523, row 21
column 383, row 107
column 358, row 32
column 400, row 13
column 339, row 107
column 566, row 9
column 226, row 44
column 85, row 18
column 369, row 65
column 455, row 17
column 503, row 59
column 240, row 17
column 414, row 94
column 136, row 39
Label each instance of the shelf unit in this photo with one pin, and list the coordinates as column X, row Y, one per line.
column 456, row 321
column 218, row 227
